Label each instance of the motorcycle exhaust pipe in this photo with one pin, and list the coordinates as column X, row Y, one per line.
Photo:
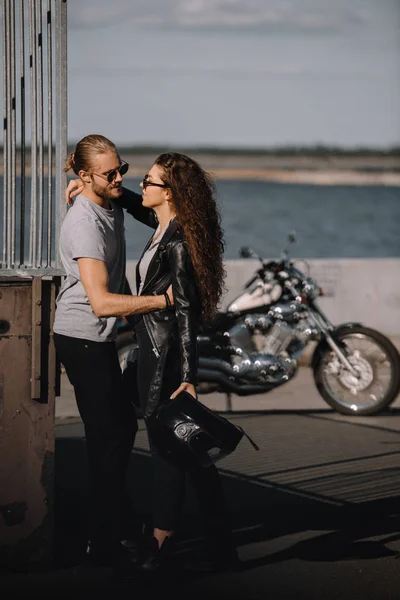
column 227, row 385
column 218, row 365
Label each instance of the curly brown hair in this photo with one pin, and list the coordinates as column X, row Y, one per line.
column 193, row 195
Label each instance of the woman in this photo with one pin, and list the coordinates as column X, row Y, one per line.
column 185, row 251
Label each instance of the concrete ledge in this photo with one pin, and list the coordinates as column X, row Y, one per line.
column 361, row 290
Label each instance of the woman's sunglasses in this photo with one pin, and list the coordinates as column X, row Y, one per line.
column 146, row 183
column 110, row 177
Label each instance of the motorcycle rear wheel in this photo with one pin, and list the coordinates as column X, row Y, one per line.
column 377, row 361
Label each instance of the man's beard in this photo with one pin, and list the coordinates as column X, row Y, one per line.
column 107, row 193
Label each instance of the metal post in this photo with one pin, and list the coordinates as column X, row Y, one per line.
column 9, row 128
column 33, row 78
column 6, row 133
column 61, row 113
column 40, row 129
column 49, row 134
column 22, row 122
column 12, row 138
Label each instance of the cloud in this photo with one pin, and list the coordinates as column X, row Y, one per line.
column 275, row 16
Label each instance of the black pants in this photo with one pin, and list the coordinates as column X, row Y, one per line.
column 110, row 427
column 169, row 479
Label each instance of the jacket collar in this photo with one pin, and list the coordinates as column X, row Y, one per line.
column 169, row 232
column 172, row 228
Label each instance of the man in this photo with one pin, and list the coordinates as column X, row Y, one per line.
column 92, row 249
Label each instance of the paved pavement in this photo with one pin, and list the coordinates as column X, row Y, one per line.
column 316, row 511
column 300, row 394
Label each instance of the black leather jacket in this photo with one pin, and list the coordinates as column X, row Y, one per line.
column 171, row 264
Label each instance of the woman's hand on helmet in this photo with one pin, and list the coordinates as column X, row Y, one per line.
column 185, row 387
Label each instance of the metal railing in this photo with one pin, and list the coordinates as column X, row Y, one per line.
column 35, row 135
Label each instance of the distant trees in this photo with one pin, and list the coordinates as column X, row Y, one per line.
column 318, row 150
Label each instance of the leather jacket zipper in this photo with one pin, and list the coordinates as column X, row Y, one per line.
column 150, row 334
column 147, row 283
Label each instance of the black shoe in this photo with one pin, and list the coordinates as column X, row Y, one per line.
column 101, row 555
column 151, row 556
column 98, row 555
column 126, row 559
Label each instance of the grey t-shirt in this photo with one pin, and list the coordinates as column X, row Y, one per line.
column 89, row 231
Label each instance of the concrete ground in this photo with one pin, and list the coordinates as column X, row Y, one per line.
column 316, row 512
column 300, row 394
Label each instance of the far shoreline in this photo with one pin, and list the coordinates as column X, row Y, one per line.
column 300, row 176
column 295, row 177
column 374, row 170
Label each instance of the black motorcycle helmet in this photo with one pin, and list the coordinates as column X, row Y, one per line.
column 184, row 431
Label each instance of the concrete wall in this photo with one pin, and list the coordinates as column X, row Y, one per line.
column 364, row 290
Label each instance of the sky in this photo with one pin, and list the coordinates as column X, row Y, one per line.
column 236, row 73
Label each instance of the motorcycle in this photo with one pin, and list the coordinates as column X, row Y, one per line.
column 255, row 345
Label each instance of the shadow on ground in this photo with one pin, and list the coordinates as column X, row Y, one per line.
column 334, row 531
column 316, row 516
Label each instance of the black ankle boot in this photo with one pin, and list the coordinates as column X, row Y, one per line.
column 98, row 555
column 124, row 554
column 151, row 556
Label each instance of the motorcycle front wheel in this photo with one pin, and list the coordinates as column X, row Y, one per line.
column 377, row 362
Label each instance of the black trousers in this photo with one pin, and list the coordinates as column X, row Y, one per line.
column 169, row 479
column 110, row 427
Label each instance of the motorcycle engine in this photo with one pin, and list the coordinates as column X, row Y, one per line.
column 257, row 347
column 266, row 335
column 278, row 338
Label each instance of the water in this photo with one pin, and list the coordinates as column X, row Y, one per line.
column 330, row 221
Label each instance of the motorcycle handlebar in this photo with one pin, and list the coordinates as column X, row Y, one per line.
column 250, row 282
column 273, row 265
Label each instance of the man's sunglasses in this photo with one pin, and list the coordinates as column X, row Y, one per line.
column 111, row 176
column 146, row 183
